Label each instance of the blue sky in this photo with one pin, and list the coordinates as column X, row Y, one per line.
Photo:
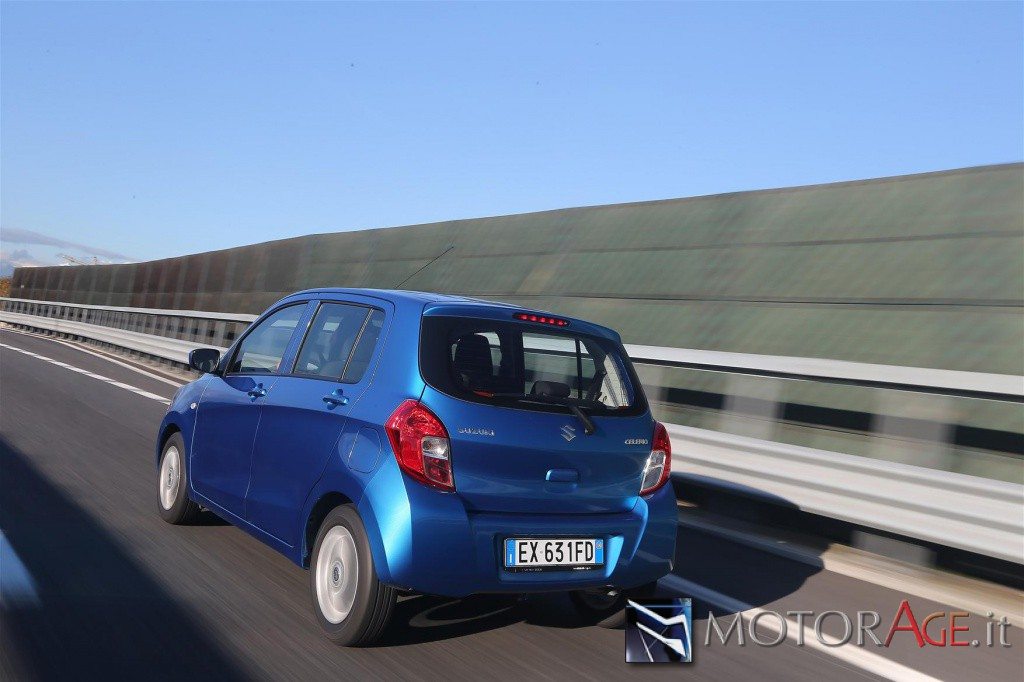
column 153, row 130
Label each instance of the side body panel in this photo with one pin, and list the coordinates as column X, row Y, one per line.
column 363, row 449
column 299, row 433
column 181, row 415
column 226, row 422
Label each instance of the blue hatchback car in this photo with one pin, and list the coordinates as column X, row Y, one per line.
column 401, row 441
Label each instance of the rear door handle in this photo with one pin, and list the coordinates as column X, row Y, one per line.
column 335, row 398
column 257, row 392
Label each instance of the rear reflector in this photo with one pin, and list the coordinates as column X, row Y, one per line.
column 421, row 445
column 659, row 462
column 543, row 319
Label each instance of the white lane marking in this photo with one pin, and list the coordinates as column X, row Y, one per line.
column 112, row 382
column 17, row 588
column 137, row 370
column 848, row 653
column 78, row 347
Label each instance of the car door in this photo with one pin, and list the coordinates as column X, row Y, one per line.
column 305, row 411
column 229, row 410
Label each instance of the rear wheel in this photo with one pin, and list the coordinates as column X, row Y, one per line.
column 351, row 604
column 173, row 501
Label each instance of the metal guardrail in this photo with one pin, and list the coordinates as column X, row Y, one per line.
column 101, row 323
column 175, row 350
column 924, row 379
column 976, row 514
column 202, row 314
column 952, row 382
column 951, row 509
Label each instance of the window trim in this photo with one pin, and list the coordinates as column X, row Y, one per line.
column 355, row 344
column 253, row 327
column 366, row 320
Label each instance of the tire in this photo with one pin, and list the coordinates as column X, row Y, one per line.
column 606, row 608
column 172, row 492
column 352, row 610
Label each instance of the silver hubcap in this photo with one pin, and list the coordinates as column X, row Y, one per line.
column 337, row 574
column 170, row 477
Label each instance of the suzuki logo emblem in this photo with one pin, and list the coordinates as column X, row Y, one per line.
column 568, row 433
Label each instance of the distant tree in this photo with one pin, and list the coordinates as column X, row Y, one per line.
column 5, row 286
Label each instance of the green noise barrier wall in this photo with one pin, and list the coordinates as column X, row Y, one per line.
column 924, row 270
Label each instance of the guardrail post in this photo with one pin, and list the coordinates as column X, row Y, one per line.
column 918, row 432
column 751, row 406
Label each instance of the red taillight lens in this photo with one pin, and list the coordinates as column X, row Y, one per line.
column 659, row 462
column 421, row 445
column 543, row 319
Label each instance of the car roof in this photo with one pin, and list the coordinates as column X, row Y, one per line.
column 429, row 300
column 404, row 296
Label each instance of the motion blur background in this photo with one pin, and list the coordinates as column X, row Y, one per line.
column 921, row 271
column 806, row 220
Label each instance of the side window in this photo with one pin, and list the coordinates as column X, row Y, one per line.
column 364, row 347
column 262, row 348
column 329, row 342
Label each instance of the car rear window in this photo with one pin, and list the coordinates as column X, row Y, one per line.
column 492, row 361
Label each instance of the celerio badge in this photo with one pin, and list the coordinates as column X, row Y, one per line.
column 476, row 432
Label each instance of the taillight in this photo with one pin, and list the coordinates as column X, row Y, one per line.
column 659, row 462
column 421, row 445
column 543, row 319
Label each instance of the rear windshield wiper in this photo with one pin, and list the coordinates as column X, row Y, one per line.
column 572, row 405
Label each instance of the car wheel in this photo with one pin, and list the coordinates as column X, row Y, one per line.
column 606, row 607
column 173, row 501
column 351, row 604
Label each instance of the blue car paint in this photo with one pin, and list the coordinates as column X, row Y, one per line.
column 284, row 469
column 421, row 538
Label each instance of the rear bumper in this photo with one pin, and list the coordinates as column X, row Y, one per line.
column 426, row 541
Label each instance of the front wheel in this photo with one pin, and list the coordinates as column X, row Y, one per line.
column 173, row 501
column 351, row 604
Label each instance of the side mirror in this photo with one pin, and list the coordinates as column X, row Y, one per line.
column 204, row 360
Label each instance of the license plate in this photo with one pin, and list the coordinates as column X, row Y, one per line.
column 551, row 554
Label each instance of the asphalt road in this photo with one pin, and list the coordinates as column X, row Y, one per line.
column 113, row 590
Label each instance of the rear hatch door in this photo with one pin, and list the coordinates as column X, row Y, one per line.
column 497, row 384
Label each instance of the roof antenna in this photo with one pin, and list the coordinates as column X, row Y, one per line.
column 450, row 247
